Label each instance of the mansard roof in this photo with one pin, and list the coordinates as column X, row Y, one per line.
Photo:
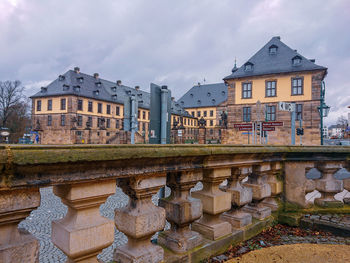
column 84, row 85
column 207, row 95
column 266, row 62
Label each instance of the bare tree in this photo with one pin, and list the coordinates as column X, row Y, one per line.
column 342, row 122
column 11, row 94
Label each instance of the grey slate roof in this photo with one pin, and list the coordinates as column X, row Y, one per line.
column 108, row 91
column 208, row 95
column 281, row 62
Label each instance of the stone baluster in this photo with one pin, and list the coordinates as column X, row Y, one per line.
column 275, row 185
column 140, row 220
column 257, row 181
column 83, row 232
column 346, row 183
column 181, row 210
column 17, row 245
column 328, row 186
column 215, row 202
column 241, row 196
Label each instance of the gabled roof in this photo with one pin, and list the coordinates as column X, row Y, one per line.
column 107, row 90
column 208, row 95
column 265, row 63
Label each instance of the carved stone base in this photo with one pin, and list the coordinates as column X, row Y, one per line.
column 259, row 211
column 331, row 203
column 237, row 219
column 180, row 242
column 139, row 254
column 270, row 202
column 23, row 247
column 212, row 229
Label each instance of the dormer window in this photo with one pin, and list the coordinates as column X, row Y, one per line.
column 223, row 93
column 296, row 61
column 43, row 89
column 208, row 94
column 96, row 92
column 273, row 50
column 191, row 95
column 248, row 66
column 80, row 79
column 98, row 84
column 182, row 103
column 114, row 89
column 61, row 78
column 139, row 95
column 114, row 97
column 199, row 102
column 213, row 101
column 76, row 88
column 65, row 87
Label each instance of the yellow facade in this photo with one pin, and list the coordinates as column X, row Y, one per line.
column 56, row 105
column 104, row 108
column 210, row 118
column 283, row 88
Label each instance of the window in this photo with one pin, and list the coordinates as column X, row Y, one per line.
column 148, row 115
column 144, row 115
column 63, row 120
column 99, row 107
column 138, row 114
column 192, row 113
column 80, row 121
column 143, row 126
column 299, row 111
column 246, row 90
column 271, row 113
column 38, row 105
column 49, row 120
column 297, row 86
column 211, row 122
column 63, row 104
column 185, row 121
column 98, row 122
column 117, row 124
column 108, row 124
column 273, row 50
column 117, row 110
column 49, row 105
column 205, row 113
column 296, row 61
column 198, row 113
column 90, row 106
column 90, row 121
column 80, row 104
column 211, row 113
column 246, row 114
column 270, row 88
column 248, row 66
column 108, row 109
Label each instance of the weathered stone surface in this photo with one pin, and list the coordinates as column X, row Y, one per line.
column 17, row 245
column 181, row 210
column 83, row 232
column 139, row 220
column 215, row 202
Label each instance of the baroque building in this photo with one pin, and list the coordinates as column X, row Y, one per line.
column 80, row 108
column 274, row 74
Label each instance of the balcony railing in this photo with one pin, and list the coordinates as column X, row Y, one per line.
column 261, row 181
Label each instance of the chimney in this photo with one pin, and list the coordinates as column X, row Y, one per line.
column 119, row 82
column 137, row 87
column 199, row 84
column 96, row 75
column 172, row 98
column 295, row 50
column 77, row 70
column 278, row 37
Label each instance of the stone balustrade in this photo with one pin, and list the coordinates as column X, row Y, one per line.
column 261, row 181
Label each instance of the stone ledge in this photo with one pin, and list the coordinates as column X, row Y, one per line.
column 211, row 248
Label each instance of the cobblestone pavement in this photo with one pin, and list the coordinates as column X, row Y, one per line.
column 51, row 208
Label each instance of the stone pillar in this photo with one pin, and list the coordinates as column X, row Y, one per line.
column 240, row 197
column 257, row 181
column 140, row 220
column 275, row 185
column 296, row 184
column 328, row 186
column 214, row 202
column 181, row 210
column 83, row 232
column 17, row 245
column 201, row 135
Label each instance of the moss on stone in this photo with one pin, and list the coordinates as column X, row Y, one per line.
column 291, row 219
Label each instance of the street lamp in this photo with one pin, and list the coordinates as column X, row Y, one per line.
column 323, row 109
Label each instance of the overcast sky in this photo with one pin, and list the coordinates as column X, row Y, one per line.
column 175, row 43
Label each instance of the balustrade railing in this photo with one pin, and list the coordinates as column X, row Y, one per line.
column 85, row 176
